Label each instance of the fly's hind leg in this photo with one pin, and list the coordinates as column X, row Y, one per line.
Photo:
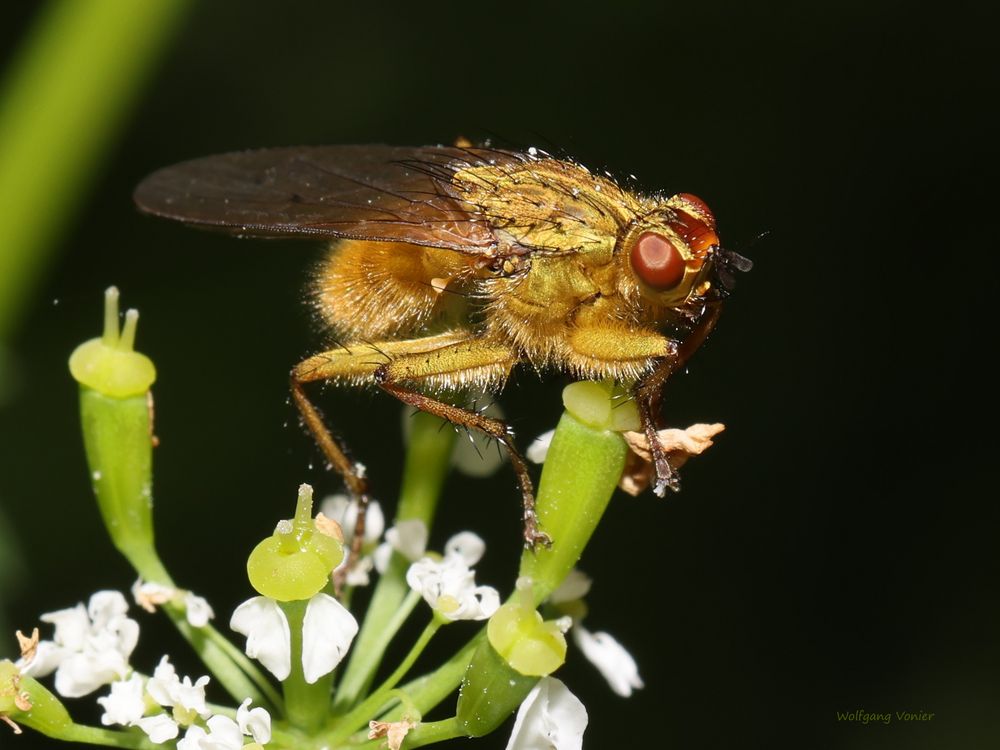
column 475, row 362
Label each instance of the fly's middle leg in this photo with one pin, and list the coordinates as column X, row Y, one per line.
column 478, row 363
column 354, row 364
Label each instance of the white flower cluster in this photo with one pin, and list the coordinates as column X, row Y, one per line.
column 129, row 702
column 91, row 647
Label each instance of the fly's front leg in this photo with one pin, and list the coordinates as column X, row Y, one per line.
column 608, row 349
column 355, row 364
column 473, row 362
column 649, row 393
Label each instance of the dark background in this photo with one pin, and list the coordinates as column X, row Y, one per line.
column 834, row 552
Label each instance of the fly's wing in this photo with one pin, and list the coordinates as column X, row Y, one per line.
column 358, row 192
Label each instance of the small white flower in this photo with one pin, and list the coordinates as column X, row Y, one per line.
column 159, row 728
column 465, row 546
column 160, row 685
column 550, row 718
column 170, row 691
column 223, row 734
column 539, row 447
column 197, row 610
column 254, row 722
column 360, row 572
column 192, row 738
column 575, row 586
column 408, row 538
column 90, row 648
column 344, row 511
column 124, row 704
column 449, row 586
column 327, row 632
column 614, row 663
column 268, row 636
column 150, row 595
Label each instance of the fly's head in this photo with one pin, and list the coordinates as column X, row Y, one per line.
column 672, row 256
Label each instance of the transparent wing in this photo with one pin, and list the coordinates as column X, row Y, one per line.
column 358, row 192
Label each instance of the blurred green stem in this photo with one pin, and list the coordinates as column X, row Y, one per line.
column 61, row 104
column 428, row 457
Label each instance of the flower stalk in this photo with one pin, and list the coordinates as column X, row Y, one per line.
column 428, row 453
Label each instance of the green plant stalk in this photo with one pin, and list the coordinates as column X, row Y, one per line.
column 428, row 457
column 116, row 436
column 428, row 733
column 368, row 709
column 61, row 104
column 306, row 706
column 117, row 440
column 581, row 472
column 108, row 737
column 429, row 690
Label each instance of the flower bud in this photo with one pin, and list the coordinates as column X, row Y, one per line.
column 296, row 561
column 603, row 405
column 108, row 364
column 117, row 433
column 27, row 702
column 531, row 645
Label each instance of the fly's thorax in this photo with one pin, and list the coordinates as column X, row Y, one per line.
column 546, row 205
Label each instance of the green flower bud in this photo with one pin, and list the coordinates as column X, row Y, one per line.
column 28, row 702
column 117, row 433
column 604, row 406
column 531, row 645
column 108, row 364
column 491, row 691
column 296, row 561
column 582, row 469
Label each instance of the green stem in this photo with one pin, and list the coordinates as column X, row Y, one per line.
column 429, row 690
column 66, row 94
column 133, row 740
column 368, row 709
column 231, row 667
column 428, row 457
column 582, row 470
column 580, row 474
column 427, row 733
column 306, row 705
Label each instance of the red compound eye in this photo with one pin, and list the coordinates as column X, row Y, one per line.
column 700, row 208
column 657, row 262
